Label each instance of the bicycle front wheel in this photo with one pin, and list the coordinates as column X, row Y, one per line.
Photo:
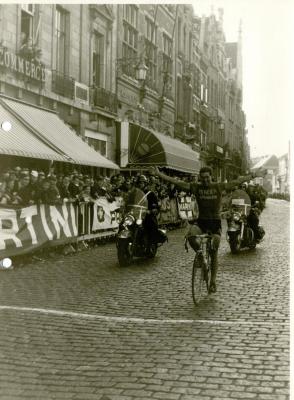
column 208, row 272
column 197, row 280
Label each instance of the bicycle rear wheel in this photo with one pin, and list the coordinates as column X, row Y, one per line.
column 197, row 280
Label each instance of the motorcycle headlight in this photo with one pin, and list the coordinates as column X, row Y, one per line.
column 236, row 217
column 129, row 220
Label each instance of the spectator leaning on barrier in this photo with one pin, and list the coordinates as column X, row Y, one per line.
column 8, row 196
column 85, row 195
column 42, row 194
column 64, row 188
column 98, row 189
column 53, row 195
column 25, row 191
column 74, row 187
column 34, row 183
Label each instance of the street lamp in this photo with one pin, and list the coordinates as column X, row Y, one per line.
column 141, row 72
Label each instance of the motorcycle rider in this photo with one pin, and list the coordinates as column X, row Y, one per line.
column 150, row 222
column 208, row 195
column 254, row 212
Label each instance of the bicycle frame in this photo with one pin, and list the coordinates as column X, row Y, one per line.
column 201, row 273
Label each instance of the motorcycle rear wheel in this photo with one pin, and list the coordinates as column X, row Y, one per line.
column 123, row 253
column 252, row 245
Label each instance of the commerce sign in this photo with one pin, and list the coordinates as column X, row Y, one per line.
column 18, row 64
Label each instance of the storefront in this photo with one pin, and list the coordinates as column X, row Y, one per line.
column 39, row 133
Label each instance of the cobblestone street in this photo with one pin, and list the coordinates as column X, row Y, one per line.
column 80, row 327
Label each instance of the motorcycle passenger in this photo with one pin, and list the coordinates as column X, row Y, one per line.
column 208, row 195
column 150, row 222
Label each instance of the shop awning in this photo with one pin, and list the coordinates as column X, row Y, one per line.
column 20, row 141
column 52, row 130
column 148, row 147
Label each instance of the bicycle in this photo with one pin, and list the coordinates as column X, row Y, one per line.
column 201, row 272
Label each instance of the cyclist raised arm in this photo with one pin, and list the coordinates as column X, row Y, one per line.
column 208, row 195
column 236, row 182
column 180, row 184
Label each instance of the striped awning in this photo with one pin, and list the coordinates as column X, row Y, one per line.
column 49, row 128
column 20, row 141
column 152, row 148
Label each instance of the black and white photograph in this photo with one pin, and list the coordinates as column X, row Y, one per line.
column 145, row 184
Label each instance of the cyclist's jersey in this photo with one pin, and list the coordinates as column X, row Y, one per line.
column 208, row 200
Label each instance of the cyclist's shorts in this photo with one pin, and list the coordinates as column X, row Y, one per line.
column 212, row 225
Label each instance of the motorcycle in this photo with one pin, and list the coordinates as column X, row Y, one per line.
column 239, row 233
column 133, row 240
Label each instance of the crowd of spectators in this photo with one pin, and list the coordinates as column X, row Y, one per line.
column 21, row 186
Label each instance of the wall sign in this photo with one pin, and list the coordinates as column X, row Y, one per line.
column 15, row 63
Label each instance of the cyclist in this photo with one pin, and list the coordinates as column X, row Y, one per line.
column 208, row 195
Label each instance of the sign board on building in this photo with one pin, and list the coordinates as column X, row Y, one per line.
column 219, row 149
column 82, row 93
column 15, row 63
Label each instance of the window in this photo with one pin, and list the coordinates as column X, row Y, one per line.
column 98, row 145
column 230, row 109
column 131, row 14
column 130, row 39
column 62, row 37
column 167, row 64
column 151, row 53
column 203, row 139
column 203, row 89
column 185, row 41
column 196, row 82
column 26, row 24
column 98, row 60
column 97, row 141
column 179, row 34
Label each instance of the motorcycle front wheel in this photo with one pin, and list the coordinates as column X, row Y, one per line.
column 124, row 255
column 152, row 250
column 235, row 244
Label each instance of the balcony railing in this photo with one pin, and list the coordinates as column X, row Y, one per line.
column 63, row 85
column 127, row 67
column 104, row 99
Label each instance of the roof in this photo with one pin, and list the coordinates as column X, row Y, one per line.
column 266, row 162
column 20, row 141
column 152, row 148
column 48, row 127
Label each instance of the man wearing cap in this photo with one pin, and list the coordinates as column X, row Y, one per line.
column 63, row 188
column 41, row 176
column 25, row 191
column 42, row 194
column 98, row 189
column 53, row 195
column 74, row 187
column 34, row 185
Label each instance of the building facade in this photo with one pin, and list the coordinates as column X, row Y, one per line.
column 105, row 67
column 49, row 58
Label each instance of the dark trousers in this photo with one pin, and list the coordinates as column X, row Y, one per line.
column 151, row 227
